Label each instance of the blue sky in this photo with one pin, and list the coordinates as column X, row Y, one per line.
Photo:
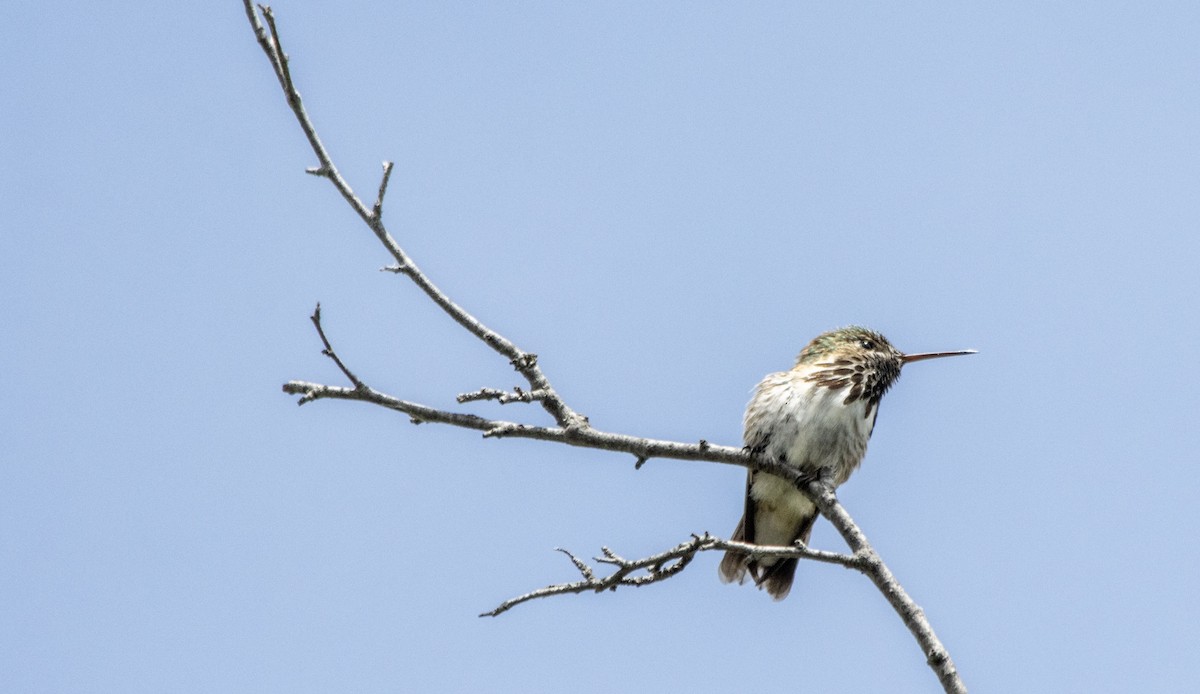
column 665, row 202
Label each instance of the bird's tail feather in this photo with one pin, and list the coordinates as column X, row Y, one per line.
column 776, row 578
column 733, row 564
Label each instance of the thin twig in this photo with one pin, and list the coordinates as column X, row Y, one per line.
column 328, row 351
column 377, row 210
column 656, row 569
column 588, row 437
column 661, row 566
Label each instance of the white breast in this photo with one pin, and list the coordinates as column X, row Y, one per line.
column 808, row 426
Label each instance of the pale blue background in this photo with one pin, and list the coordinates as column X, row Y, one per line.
column 664, row 201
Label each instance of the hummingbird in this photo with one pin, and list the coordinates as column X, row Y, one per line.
column 815, row 418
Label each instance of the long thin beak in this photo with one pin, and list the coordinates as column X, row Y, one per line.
column 909, row 358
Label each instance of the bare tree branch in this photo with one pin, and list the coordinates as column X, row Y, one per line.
column 524, row 362
column 573, row 428
column 662, row 566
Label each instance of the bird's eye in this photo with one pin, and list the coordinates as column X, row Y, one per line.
column 866, row 344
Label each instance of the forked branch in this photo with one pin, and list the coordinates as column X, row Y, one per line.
column 570, row 427
column 661, row 566
column 524, row 362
